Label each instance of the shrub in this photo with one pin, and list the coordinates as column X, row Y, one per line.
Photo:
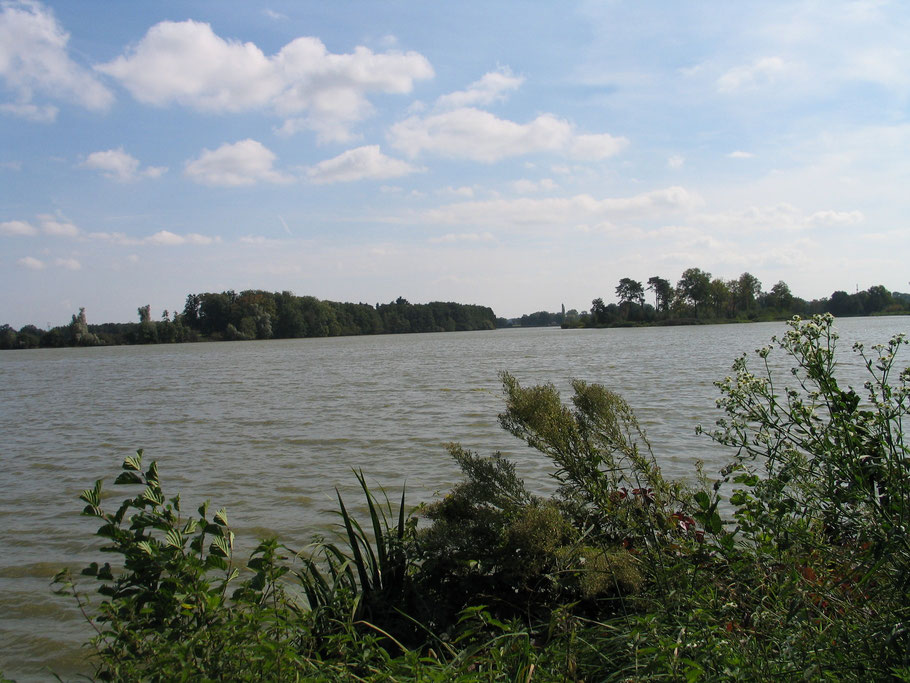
column 621, row 575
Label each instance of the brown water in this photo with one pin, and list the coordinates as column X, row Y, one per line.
column 268, row 429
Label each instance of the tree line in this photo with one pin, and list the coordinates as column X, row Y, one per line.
column 700, row 297
column 256, row 314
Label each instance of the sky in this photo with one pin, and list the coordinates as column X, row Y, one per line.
column 521, row 155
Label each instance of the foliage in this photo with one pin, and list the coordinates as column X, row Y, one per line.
column 620, row 575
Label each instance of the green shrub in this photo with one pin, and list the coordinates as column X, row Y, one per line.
column 621, row 575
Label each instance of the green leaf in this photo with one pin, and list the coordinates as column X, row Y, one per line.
column 174, row 538
column 703, row 500
column 128, row 478
column 134, row 464
column 221, row 517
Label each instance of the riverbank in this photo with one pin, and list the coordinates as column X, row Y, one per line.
column 625, row 573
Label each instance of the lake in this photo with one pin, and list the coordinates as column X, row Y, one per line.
column 269, row 429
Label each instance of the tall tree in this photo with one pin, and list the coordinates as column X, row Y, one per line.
column 630, row 291
column 694, row 287
column 598, row 311
column 747, row 291
column 663, row 292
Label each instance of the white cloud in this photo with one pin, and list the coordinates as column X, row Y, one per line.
column 776, row 218
column 31, row 112
column 162, row 238
column 68, row 263
column 675, row 161
column 231, row 165
column 478, row 135
column 525, row 186
column 452, row 238
column 463, row 191
column 362, row 163
column 117, row 165
column 579, row 212
column 31, row 263
column 739, row 154
column 188, row 64
column 596, row 147
column 489, row 89
column 59, row 228
column 166, row 238
column 761, row 72
column 836, row 218
column 17, row 228
column 34, row 59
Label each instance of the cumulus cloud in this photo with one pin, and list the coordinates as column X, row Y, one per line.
column 231, row 165
column 525, row 186
column 452, row 238
column 51, row 225
column 470, row 133
column 31, row 263
column 836, row 218
column 580, row 211
column 775, row 218
column 34, row 59
column 116, row 164
column 362, row 163
column 31, row 112
column 162, row 238
column 761, row 72
column 17, row 228
column 462, row 191
column 186, row 63
column 68, row 263
column 491, row 88
column 166, row 238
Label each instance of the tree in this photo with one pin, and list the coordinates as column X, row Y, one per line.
column 630, row 291
column 780, row 297
column 78, row 331
column 598, row 311
column 746, row 292
column 694, row 287
column 718, row 295
column 663, row 293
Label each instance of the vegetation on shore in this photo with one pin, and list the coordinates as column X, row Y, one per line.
column 255, row 314
column 700, row 298
column 792, row 562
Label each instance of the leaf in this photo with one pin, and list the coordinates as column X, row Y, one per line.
column 134, row 464
column 221, row 517
column 221, row 546
column 703, row 500
column 174, row 538
column 128, row 478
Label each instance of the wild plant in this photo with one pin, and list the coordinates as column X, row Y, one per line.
column 166, row 610
column 821, row 504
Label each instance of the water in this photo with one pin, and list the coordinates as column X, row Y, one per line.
column 269, row 429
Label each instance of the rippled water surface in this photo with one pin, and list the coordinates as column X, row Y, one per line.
column 269, row 429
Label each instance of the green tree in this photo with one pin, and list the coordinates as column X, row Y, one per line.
column 746, row 292
column 780, row 297
column 694, row 287
column 630, row 292
column 663, row 293
column 598, row 311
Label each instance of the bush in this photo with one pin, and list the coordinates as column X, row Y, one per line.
column 621, row 575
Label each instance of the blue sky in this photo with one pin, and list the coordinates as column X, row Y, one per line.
column 520, row 155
